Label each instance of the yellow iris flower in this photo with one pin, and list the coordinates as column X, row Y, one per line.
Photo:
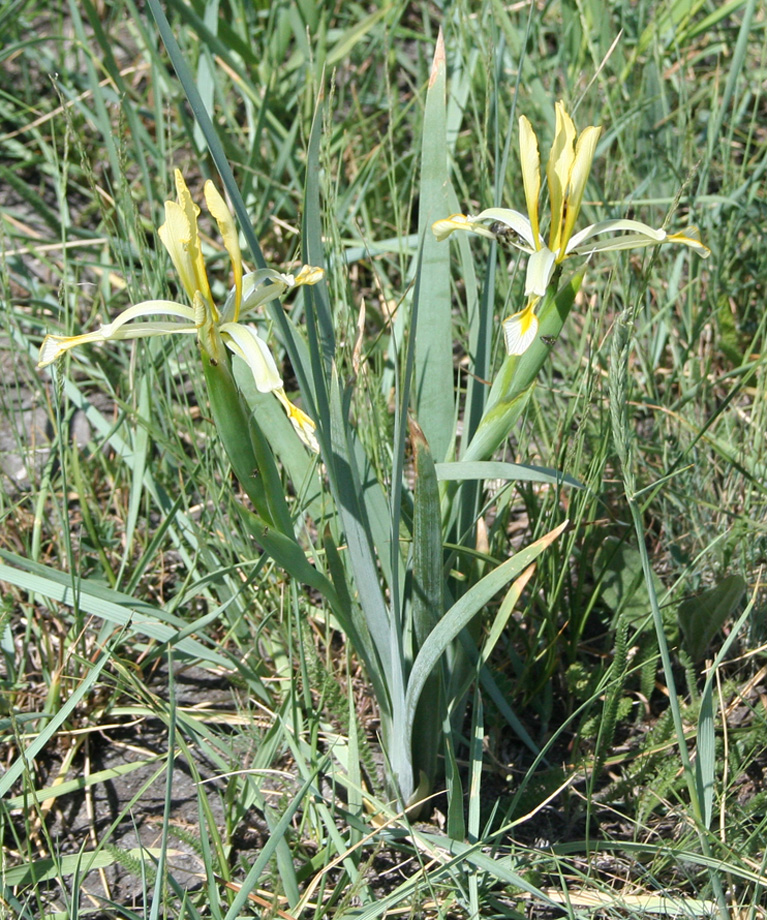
column 567, row 172
column 216, row 328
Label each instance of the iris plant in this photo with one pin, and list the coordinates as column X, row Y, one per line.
column 567, row 172
column 216, row 327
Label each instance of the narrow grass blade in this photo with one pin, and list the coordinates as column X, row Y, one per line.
column 25, row 760
column 138, row 466
column 476, row 747
column 113, row 606
column 353, row 35
column 705, row 761
column 275, row 838
column 490, row 469
column 49, row 869
column 162, row 857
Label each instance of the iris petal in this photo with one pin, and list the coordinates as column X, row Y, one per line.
column 540, row 268
column 516, row 221
column 176, row 235
column 585, row 149
column 530, row 161
column 519, row 330
column 558, row 170
column 443, row 228
column 226, row 227
column 245, row 342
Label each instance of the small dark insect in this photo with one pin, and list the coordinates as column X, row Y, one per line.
column 548, row 340
column 503, row 232
column 254, row 473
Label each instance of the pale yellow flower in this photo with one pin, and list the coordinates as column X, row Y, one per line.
column 216, row 327
column 567, row 172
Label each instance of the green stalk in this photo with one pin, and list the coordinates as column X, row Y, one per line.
column 513, row 383
column 246, row 446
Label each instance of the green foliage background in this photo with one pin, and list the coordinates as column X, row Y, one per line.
column 120, row 561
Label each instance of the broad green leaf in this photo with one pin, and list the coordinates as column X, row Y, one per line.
column 461, row 613
column 360, row 547
column 702, row 617
column 314, row 249
column 232, row 420
column 456, row 822
column 298, row 464
column 618, row 567
column 428, row 573
column 427, row 601
column 705, row 761
column 433, row 396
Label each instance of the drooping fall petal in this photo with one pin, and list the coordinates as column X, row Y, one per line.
column 519, row 330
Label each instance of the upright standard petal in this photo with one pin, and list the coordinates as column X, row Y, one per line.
column 584, row 157
column 226, row 227
column 530, row 161
column 175, row 234
column 558, row 173
column 194, row 250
